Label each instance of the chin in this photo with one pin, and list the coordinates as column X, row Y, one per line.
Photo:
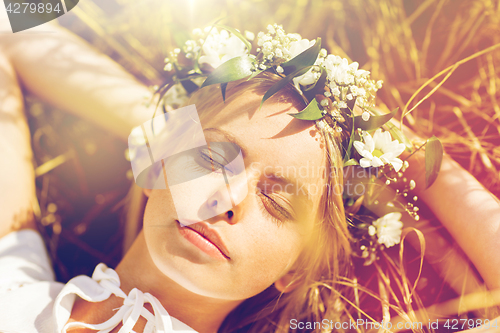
column 195, row 271
column 204, row 280
column 191, row 274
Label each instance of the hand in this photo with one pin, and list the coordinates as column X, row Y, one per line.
column 468, row 210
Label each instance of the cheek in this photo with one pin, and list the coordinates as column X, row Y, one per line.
column 161, row 236
column 158, row 208
column 159, row 226
column 266, row 253
column 157, row 220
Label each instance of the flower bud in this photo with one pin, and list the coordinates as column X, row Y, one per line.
column 325, row 102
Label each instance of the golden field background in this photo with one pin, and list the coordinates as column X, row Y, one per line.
column 438, row 58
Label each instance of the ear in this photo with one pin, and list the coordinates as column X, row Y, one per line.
column 286, row 283
column 147, row 192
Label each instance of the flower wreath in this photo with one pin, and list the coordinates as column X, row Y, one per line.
column 331, row 88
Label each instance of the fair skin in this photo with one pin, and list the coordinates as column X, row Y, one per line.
column 477, row 205
column 96, row 88
column 196, row 288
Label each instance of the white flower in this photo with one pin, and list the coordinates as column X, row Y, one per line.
column 320, row 124
column 294, row 36
column 297, row 48
column 342, row 104
column 249, row 35
column 339, row 71
column 220, row 47
column 365, row 116
column 353, row 67
column 168, row 67
column 361, row 92
column 271, row 29
column 300, row 46
column 276, row 45
column 336, row 91
column 389, row 229
column 306, row 79
column 379, row 150
column 360, row 73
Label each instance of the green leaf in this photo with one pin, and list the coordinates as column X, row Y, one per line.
column 311, row 112
column 318, row 88
column 232, row 70
column 433, row 159
column 237, row 34
column 398, row 135
column 223, row 87
column 282, row 83
column 351, row 103
column 352, row 161
column 351, row 140
column 374, row 122
column 304, row 59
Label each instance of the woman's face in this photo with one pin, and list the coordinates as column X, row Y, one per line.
column 274, row 212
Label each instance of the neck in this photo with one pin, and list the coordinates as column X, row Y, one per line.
column 137, row 270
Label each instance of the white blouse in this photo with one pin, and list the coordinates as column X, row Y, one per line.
column 32, row 302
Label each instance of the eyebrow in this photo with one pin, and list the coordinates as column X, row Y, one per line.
column 229, row 137
column 296, row 184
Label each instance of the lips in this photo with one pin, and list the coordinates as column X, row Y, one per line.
column 206, row 233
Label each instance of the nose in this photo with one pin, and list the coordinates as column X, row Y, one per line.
column 227, row 199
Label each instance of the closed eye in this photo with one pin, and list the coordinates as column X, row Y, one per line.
column 212, row 160
column 276, row 210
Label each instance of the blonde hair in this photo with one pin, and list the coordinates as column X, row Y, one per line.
column 318, row 268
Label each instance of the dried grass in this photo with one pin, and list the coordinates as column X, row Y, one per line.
column 404, row 43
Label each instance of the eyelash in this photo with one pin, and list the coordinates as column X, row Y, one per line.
column 279, row 210
column 212, row 162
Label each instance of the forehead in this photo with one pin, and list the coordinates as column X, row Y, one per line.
column 289, row 147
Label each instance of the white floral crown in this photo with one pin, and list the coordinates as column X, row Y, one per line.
column 331, row 88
